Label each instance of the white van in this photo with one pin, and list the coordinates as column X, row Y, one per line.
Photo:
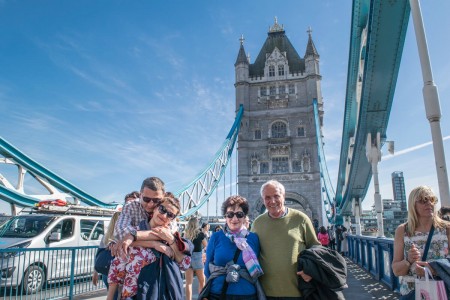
column 42, row 230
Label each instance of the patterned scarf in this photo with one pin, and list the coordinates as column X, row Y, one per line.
column 248, row 255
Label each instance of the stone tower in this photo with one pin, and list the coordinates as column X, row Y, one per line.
column 277, row 139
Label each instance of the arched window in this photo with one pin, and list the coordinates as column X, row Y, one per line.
column 271, row 71
column 280, row 70
column 279, row 130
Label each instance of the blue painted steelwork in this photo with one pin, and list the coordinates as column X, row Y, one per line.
column 56, row 273
column 38, row 171
column 377, row 37
column 375, row 256
column 196, row 193
column 328, row 193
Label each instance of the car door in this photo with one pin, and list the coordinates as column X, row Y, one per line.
column 60, row 260
column 91, row 232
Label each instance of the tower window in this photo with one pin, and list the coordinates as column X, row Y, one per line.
column 257, row 134
column 297, row 166
column 279, row 130
column 291, row 89
column 271, row 71
column 263, row 91
column 280, row 70
column 301, row 131
column 264, row 167
column 273, row 91
column 280, row 165
column 282, row 90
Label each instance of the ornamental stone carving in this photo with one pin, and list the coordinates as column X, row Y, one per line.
column 279, row 150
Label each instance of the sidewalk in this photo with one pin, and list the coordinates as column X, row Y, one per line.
column 361, row 286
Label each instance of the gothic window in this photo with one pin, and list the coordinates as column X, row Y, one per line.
column 273, row 90
column 282, row 90
column 291, row 89
column 257, row 134
column 271, row 71
column 263, row 91
column 296, row 166
column 279, row 130
column 264, row 167
column 301, row 131
column 280, row 70
column 280, row 165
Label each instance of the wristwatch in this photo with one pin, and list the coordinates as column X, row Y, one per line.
column 133, row 233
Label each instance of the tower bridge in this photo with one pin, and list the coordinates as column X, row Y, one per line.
column 277, row 131
column 278, row 126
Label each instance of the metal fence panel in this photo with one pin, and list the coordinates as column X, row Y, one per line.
column 47, row 273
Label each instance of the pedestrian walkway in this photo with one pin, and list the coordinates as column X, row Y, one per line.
column 361, row 286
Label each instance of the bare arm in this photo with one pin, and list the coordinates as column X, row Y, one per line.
column 400, row 265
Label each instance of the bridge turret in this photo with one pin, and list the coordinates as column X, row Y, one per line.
column 311, row 56
column 241, row 67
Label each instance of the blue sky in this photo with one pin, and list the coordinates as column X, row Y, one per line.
column 106, row 93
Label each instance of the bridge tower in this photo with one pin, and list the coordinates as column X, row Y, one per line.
column 277, row 139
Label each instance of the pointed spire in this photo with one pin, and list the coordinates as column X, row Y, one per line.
column 310, row 48
column 242, row 57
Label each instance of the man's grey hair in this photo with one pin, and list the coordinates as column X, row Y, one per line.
column 275, row 184
column 153, row 183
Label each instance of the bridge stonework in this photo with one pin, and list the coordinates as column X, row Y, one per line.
column 277, row 138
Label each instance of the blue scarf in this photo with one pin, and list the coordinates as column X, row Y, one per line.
column 248, row 255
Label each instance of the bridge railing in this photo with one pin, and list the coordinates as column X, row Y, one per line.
column 375, row 256
column 47, row 273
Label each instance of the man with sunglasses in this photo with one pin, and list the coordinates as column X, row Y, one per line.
column 151, row 193
column 283, row 233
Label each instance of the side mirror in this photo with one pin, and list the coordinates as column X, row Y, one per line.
column 55, row 237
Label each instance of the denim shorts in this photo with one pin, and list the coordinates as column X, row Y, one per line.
column 196, row 261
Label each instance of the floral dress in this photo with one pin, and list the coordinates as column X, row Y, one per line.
column 438, row 249
column 126, row 271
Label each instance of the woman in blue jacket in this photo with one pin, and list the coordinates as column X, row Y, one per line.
column 223, row 248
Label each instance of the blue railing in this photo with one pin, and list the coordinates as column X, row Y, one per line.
column 47, row 273
column 375, row 256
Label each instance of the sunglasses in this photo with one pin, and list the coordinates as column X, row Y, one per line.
column 154, row 200
column 163, row 210
column 231, row 214
column 425, row 200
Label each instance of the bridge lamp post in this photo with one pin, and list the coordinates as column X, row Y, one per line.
column 373, row 154
column 432, row 106
column 356, row 208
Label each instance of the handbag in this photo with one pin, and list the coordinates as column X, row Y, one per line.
column 430, row 289
column 103, row 260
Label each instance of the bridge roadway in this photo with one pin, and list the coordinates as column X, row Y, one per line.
column 361, row 286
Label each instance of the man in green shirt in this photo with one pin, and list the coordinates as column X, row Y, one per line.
column 283, row 233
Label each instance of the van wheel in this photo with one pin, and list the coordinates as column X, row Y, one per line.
column 33, row 280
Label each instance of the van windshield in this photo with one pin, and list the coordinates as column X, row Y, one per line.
column 25, row 226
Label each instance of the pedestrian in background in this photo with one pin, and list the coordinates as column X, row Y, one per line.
column 323, row 237
column 194, row 233
column 332, row 236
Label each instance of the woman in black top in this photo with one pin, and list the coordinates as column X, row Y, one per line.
column 198, row 238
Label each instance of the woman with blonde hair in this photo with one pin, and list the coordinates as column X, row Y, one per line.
column 424, row 226
column 194, row 233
